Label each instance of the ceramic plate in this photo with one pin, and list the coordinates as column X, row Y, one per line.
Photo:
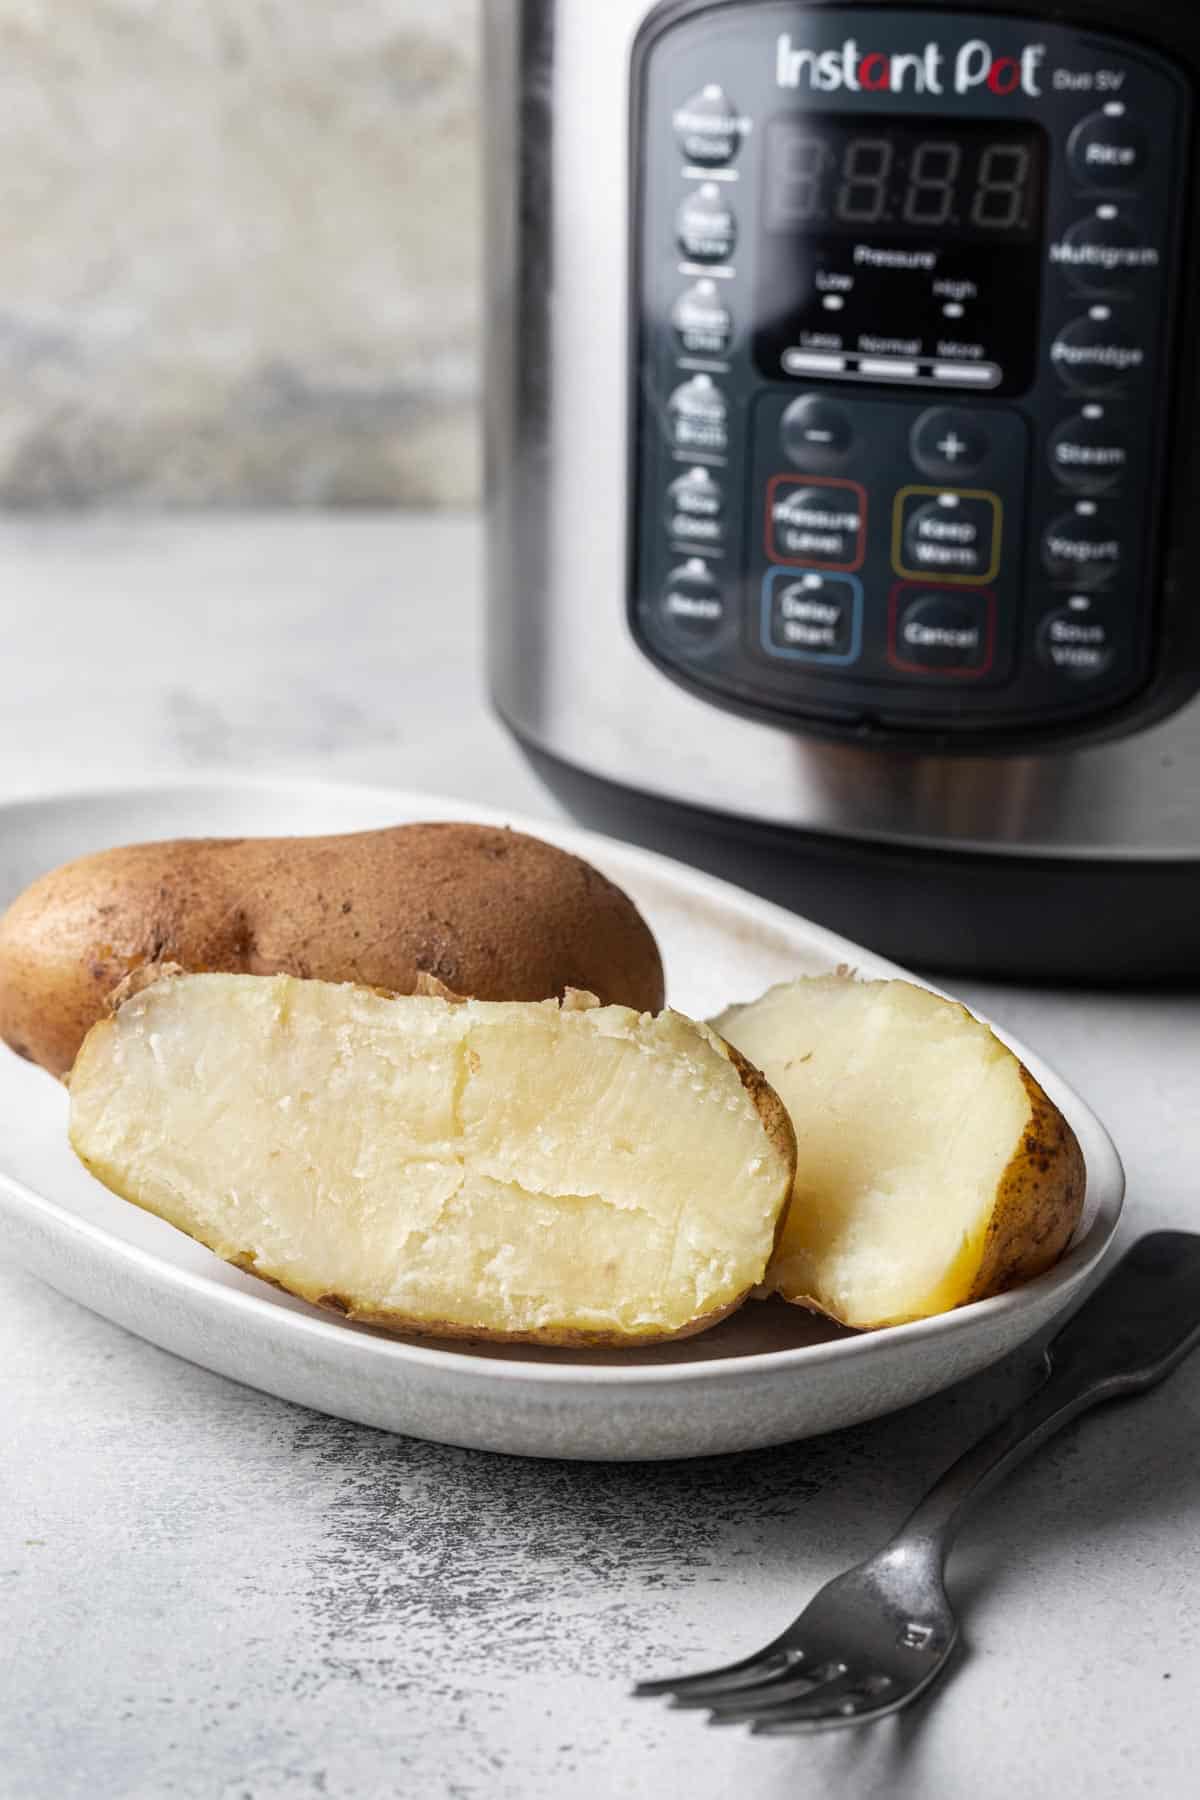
column 769, row 1374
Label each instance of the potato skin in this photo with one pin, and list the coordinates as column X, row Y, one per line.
column 492, row 913
column 1039, row 1203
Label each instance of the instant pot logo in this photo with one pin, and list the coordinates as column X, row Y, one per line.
column 929, row 71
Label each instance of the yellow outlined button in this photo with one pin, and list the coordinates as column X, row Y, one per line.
column 945, row 548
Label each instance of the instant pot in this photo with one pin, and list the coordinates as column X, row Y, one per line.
column 843, row 457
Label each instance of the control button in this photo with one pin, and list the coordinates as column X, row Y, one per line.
column 820, row 522
column 1088, row 453
column 1074, row 642
column 700, row 417
column 1081, row 547
column 707, row 127
column 1107, row 150
column 1103, row 255
column 692, row 600
column 816, row 433
column 940, row 631
column 954, row 534
column 947, row 442
column 705, row 225
column 695, row 509
column 1093, row 354
column 811, row 617
column 702, row 321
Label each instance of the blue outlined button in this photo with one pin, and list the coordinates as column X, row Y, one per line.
column 811, row 616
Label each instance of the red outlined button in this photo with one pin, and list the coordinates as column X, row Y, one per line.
column 817, row 521
column 948, row 633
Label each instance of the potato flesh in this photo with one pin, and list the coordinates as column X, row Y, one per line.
column 907, row 1113
column 510, row 1168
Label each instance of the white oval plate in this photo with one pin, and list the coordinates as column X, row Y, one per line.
column 769, row 1374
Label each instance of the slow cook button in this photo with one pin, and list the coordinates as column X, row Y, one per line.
column 1092, row 355
column 692, row 601
column 1107, row 150
column 812, row 617
column 1088, row 452
column 821, row 523
column 703, row 323
column 700, row 417
column 705, row 225
column 695, row 509
column 938, row 632
column 950, row 535
column 1081, row 547
column 1074, row 644
column 1102, row 255
column 707, row 127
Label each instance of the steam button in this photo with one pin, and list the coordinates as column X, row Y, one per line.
column 707, row 127
column 705, row 225
column 1107, row 150
column 817, row 433
column 692, row 601
column 1088, row 453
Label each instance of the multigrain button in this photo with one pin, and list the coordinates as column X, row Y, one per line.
column 948, row 442
column 816, row 433
column 1094, row 354
column 1075, row 643
column 1103, row 255
column 707, row 127
column 1081, row 547
column 1089, row 452
column 939, row 632
column 700, row 417
column 703, row 322
column 1107, row 150
column 692, row 601
column 822, row 522
column 705, row 225
column 695, row 509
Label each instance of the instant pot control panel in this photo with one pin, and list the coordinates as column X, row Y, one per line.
column 903, row 366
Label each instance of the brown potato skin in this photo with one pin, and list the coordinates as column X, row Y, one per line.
column 1039, row 1203
column 492, row 913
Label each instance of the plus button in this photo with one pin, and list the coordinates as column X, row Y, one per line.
column 952, row 446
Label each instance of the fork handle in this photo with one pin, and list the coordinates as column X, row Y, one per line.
column 1135, row 1327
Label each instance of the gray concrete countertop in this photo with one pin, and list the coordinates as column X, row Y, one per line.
column 210, row 1593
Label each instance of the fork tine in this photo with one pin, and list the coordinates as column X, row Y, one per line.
column 841, row 1702
column 773, row 1698
column 764, row 1665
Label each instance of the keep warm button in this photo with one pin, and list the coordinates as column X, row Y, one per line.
column 950, row 534
column 941, row 631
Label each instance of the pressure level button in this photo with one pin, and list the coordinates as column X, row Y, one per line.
column 705, row 225
column 707, row 127
column 1107, row 150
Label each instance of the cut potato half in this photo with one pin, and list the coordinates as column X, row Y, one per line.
column 932, row 1169
column 570, row 1173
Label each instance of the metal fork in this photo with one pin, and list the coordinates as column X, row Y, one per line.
column 875, row 1637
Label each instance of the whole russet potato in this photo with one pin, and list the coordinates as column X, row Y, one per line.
column 491, row 913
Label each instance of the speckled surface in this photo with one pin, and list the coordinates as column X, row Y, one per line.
column 210, row 1593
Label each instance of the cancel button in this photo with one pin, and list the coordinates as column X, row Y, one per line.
column 939, row 632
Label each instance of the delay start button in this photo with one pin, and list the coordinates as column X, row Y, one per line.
column 941, row 631
column 812, row 617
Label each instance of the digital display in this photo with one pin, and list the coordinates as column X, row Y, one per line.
column 850, row 175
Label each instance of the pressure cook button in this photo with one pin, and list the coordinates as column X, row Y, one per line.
column 951, row 535
column 947, row 442
column 705, row 225
column 1102, row 255
column 819, row 524
column 1081, row 547
column 1088, row 453
column 1093, row 355
column 811, row 617
column 1074, row 643
column 700, row 417
column 940, row 631
column 1107, row 150
column 695, row 509
column 692, row 601
column 707, row 127
column 816, row 433
column 703, row 323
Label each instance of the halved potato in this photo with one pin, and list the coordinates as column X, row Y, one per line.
column 932, row 1169
column 570, row 1173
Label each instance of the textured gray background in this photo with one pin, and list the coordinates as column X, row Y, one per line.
column 238, row 252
